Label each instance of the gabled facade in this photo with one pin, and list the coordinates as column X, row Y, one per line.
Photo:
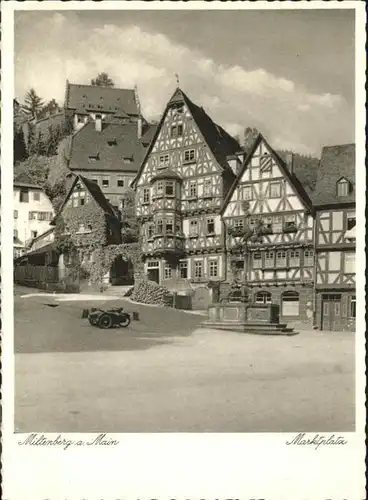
column 179, row 192
column 278, row 268
column 110, row 136
column 334, row 199
column 33, row 212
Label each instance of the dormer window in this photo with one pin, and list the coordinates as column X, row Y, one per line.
column 127, row 159
column 343, row 187
column 112, row 142
column 94, row 158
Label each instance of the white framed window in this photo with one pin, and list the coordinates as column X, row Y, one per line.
column 213, row 268
column 342, row 187
column 121, row 181
column 167, row 271
column 189, row 156
column 247, row 194
column 183, row 268
column 263, row 298
column 275, row 190
column 281, row 258
column 294, row 258
column 198, row 269
column 164, row 161
column 207, row 187
column 146, row 195
column 257, row 260
column 193, row 189
column 269, row 259
column 193, row 227
column 308, row 257
column 105, row 182
column 210, row 226
column 349, row 262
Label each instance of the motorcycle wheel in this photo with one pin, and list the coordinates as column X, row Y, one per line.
column 125, row 321
column 92, row 321
column 105, row 321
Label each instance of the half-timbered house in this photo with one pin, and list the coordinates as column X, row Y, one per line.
column 188, row 169
column 334, row 200
column 277, row 268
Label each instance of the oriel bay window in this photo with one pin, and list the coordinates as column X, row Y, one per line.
column 159, row 188
column 150, row 230
column 169, row 226
column 159, row 226
column 169, row 188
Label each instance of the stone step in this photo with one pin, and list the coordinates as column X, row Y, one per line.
column 252, row 328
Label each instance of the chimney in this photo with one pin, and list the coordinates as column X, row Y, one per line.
column 289, row 159
column 139, row 121
column 98, row 123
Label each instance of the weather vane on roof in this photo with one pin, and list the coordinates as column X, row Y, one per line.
column 177, row 79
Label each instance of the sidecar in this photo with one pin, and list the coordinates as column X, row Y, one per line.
column 107, row 319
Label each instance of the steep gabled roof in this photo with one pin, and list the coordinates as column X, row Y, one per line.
column 280, row 162
column 336, row 162
column 218, row 140
column 89, row 142
column 83, row 98
column 94, row 190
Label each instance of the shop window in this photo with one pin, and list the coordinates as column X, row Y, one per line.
column 290, row 304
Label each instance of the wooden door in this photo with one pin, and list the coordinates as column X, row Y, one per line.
column 154, row 275
column 331, row 312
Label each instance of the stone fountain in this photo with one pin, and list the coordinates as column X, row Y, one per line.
column 237, row 313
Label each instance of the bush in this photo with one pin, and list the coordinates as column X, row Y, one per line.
column 149, row 292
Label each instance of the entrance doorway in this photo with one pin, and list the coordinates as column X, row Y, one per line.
column 121, row 272
column 153, row 271
column 331, row 311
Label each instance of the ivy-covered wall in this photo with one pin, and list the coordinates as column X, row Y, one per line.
column 90, row 241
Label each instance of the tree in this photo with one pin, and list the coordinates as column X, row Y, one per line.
column 102, row 80
column 19, row 145
column 250, row 135
column 32, row 103
column 248, row 234
column 51, row 108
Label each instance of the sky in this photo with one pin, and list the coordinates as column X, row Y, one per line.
column 288, row 73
